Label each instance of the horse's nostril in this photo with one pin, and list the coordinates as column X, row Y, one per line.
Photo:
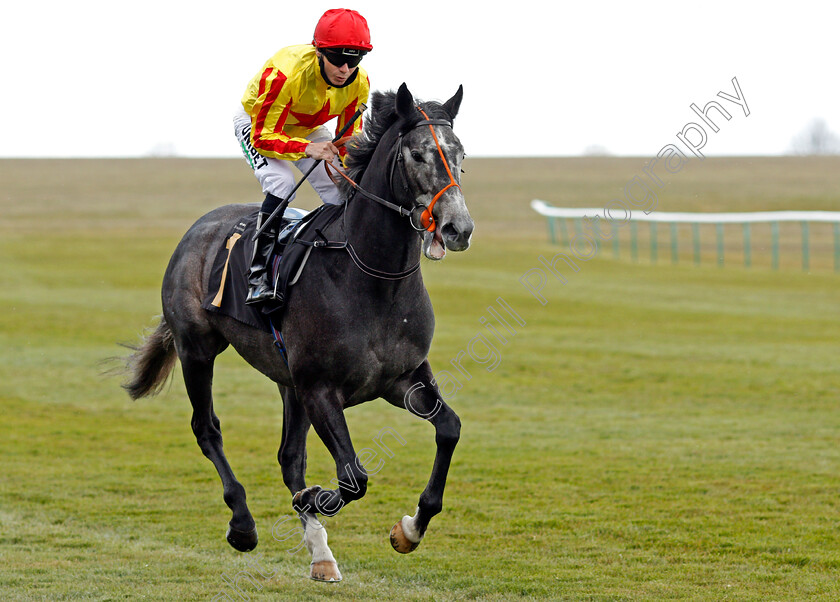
column 455, row 238
column 449, row 231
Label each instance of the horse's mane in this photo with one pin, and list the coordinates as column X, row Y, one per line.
column 381, row 116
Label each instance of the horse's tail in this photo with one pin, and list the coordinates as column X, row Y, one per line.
column 151, row 363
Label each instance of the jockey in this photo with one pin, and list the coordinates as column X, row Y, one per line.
column 281, row 121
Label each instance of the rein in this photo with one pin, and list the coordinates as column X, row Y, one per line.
column 368, row 195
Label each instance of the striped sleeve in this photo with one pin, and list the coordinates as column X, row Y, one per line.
column 271, row 109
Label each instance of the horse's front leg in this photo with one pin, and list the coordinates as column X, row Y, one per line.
column 292, row 458
column 324, row 410
column 416, row 393
column 323, row 566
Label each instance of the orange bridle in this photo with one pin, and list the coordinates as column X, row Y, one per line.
column 427, row 219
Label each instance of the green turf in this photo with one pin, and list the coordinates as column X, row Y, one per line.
column 652, row 432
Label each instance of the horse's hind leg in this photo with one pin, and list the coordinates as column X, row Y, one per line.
column 416, row 393
column 198, row 378
column 292, row 457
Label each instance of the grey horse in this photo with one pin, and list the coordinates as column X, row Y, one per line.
column 357, row 326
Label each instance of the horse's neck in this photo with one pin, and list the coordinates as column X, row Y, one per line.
column 382, row 237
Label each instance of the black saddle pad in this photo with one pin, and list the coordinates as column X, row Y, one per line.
column 228, row 285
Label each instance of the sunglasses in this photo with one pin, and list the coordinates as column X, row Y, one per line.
column 344, row 56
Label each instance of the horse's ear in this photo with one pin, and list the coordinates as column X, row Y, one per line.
column 405, row 102
column 453, row 104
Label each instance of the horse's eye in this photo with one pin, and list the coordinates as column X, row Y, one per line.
column 417, row 156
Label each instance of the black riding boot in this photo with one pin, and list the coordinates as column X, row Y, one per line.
column 259, row 276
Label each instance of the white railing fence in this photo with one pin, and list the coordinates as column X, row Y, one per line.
column 603, row 226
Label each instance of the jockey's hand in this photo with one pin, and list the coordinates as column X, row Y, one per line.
column 321, row 150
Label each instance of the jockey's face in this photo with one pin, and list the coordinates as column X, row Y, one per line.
column 336, row 75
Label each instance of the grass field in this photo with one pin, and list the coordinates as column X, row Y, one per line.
column 653, row 432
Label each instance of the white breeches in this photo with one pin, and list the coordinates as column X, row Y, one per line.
column 276, row 176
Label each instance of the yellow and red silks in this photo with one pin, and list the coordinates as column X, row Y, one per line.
column 289, row 99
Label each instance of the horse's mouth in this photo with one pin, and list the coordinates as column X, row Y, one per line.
column 433, row 246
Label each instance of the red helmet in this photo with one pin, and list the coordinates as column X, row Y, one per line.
column 342, row 28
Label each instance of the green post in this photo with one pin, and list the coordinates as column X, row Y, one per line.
column 675, row 250
column 552, row 236
column 654, row 244
column 564, row 232
column 806, row 247
column 837, row 247
column 634, row 242
column 774, row 229
column 747, row 249
column 615, row 241
column 695, row 232
column 719, row 228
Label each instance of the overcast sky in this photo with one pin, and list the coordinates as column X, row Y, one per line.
column 93, row 78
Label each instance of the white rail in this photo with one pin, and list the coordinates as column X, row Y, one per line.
column 620, row 217
column 547, row 210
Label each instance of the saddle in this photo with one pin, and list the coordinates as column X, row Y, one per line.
column 299, row 233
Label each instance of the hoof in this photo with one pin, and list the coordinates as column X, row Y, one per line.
column 400, row 542
column 325, row 570
column 244, row 541
column 304, row 500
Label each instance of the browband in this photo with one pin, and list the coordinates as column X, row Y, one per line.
column 433, row 122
